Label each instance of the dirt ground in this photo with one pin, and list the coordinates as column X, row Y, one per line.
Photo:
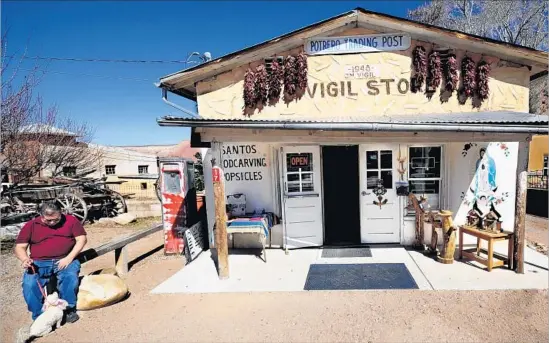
column 537, row 233
column 11, row 299
column 377, row 316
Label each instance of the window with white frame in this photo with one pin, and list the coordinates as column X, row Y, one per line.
column 299, row 173
column 425, row 173
column 110, row 169
column 143, row 169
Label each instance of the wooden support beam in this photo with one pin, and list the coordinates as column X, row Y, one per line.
column 520, row 222
column 520, row 205
column 121, row 261
column 221, row 243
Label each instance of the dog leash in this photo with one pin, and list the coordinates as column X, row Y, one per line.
column 38, row 282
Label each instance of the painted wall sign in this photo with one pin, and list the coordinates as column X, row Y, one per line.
column 358, row 44
column 350, row 88
column 243, row 163
column 361, row 71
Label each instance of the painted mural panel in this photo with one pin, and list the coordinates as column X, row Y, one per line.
column 492, row 188
column 364, row 84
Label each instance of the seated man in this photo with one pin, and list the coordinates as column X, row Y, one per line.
column 55, row 239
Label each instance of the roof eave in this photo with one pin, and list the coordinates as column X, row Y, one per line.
column 530, row 128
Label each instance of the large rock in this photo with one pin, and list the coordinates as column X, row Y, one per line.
column 101, row 290
column 125, row 218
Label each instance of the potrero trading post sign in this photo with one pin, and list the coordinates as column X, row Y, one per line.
column 358, row 44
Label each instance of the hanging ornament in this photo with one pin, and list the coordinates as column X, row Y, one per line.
column 483, row 73
column 451, row 77
column 468, row 76
column 260, row 89
column 380, row 190
column 275, row 79
column 419, row 61
column 435, row 71
column 249, row 85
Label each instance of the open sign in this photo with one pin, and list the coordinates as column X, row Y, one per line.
column 299, row 161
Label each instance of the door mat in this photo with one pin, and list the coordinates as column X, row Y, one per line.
column 359, row 276
column 346, row 252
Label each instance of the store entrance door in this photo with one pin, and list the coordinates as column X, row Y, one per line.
column 341, row 185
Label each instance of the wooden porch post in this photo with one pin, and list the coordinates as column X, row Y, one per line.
column 221, row 243
column 520, row 206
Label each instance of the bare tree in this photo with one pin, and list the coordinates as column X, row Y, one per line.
column 522, row 22
column 34, row 138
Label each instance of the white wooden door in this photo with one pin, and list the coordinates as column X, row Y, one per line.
column 379, row 211
column 302, row 196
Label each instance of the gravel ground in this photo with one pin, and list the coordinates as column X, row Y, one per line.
column 537, row 233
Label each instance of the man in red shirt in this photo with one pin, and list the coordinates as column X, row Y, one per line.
column 54, row 239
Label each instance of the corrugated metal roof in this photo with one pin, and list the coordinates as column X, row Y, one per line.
column 489, row 117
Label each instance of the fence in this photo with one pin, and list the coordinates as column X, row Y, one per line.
column 138, row 191
column 536, row 199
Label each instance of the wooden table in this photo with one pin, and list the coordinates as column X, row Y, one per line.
column 490, row 237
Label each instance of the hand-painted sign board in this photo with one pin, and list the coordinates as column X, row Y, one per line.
column 358, row 44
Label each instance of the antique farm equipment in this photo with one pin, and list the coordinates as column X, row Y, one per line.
column 85, row 199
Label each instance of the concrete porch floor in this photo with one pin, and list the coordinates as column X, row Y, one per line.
column 249, row 273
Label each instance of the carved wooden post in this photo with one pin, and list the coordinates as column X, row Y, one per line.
column 449, row 246
column 420, row 218
column 434, row 235
column 221, row 243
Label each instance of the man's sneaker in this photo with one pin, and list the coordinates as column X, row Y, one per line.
column 71, row 316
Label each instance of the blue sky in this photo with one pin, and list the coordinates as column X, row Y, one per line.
column 119, row 99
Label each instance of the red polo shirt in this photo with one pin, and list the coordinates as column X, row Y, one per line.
column 48, row 243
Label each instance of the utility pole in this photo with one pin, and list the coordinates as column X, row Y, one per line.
column 221, row 243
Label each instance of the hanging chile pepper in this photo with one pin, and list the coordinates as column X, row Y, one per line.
column 260, row 90
column 483, row 73
column 419, row 62
column 249, row 86
column 451, row 77
column 468, row 76
column 275, row 79
column 290, row 76
column 301, row 62
column 435, row 71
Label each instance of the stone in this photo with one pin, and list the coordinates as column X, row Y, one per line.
column 125, row 218
column 10, row 231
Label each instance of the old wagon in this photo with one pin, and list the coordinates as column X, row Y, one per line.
column 85, row 199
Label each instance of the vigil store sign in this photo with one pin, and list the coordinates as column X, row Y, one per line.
column 243, row 162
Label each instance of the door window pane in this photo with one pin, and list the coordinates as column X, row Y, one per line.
column 371, row 160
column 386, row 159
column 371, row 179
column 387, row 177
column 425, row 162
column 429, row 188
column 299, row 172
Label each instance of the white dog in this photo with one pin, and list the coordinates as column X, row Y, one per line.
column 51, row 316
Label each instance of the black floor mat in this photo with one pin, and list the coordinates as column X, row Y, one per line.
column 346, row 252
column 359, row 276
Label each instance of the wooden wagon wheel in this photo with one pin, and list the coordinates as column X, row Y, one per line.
column 119, row 204
column 73, row 205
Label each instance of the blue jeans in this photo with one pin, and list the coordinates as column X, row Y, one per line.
column 67, row 284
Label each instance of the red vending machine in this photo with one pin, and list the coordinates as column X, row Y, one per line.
column 177, row 194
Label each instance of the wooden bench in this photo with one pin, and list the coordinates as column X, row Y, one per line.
column 490, row 237
column 119, row 245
